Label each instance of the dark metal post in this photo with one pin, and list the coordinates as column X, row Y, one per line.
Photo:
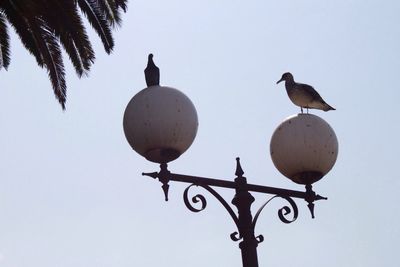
column 243, row 200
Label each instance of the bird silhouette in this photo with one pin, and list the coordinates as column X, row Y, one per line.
column 152, row 72
column 303, row 95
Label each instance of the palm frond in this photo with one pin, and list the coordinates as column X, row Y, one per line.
column 111, row 12
column 52, row 58
column 121, row 4
column 97, row 20
column 44, row 25
column 4, row 43
column 18, row 17
column 69, row 28
column 81, row 56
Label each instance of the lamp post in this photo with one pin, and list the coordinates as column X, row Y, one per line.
column 160, row 123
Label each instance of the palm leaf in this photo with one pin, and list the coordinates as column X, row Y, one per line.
column 40, row 40
column 81, row 56
column 4, row 43
column 52, row 58
column 111, row 12
column 121, row 4
column 98, row 21
column 69, row 28
column 17, row 16
column 44, row 25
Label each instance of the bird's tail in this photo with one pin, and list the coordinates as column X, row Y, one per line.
column 327, row 107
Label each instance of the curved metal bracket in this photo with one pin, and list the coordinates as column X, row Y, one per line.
column 282, row 213
column 235, row 236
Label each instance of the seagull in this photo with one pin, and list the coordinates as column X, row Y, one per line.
column 152, row 73
column 303, row 95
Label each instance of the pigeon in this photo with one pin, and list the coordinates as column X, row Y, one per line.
column 303, row 95
column 152, row 73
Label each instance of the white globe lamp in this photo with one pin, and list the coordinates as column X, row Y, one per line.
column 160, row 123
column 304, row 148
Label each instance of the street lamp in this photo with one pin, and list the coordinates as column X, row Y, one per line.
column 160, row 123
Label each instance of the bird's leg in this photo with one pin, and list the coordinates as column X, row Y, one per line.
column 301, row 108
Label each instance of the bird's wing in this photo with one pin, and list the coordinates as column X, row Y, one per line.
column 152, row 75
column 310, row 91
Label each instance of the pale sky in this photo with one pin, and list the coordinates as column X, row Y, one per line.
column 71, row 190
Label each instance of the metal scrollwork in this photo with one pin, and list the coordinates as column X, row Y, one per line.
column 203, row 204
column 260, row 238
column 196, row 199
column 235, row 236
column 282, row 212
column 286, row 210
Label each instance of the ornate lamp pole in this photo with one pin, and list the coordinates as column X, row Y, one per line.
column 160, row 123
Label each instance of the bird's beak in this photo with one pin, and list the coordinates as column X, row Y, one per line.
column 279, row 81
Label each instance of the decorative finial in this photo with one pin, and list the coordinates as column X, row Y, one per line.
column 311, row 208
column 239, row 171
column 310, row 197
column 164, row 179
column 152, row 72
column 153, row 175
column 165, row 188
